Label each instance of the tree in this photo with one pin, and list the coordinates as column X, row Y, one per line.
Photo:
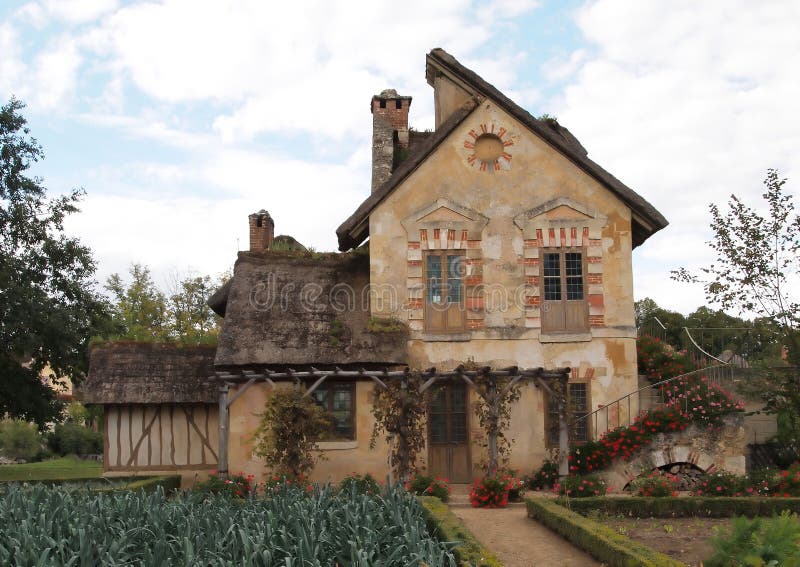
column 139, row 307
column 756, row 260
column 143, row 312
column 756, row 265
column 49, row 306
column 647, row 311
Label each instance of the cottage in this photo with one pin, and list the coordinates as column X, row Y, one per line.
column 493, row 240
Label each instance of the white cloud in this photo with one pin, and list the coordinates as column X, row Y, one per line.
column 11, row 66
column 69, row 11
column 686, row 104
column 55, row 73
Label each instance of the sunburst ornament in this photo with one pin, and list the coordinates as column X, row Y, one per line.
column 489, row 148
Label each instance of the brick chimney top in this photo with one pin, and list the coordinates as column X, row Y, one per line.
column 262, row 231
column 389, row 133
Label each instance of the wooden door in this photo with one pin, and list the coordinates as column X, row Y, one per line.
column 448, row 433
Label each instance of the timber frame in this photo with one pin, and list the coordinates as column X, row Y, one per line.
column 554, row 382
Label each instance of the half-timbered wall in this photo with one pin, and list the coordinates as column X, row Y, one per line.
column 161, row 436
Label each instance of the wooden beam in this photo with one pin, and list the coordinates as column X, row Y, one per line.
column 242, row 390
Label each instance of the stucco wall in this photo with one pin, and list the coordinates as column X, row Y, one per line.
column 497, row 208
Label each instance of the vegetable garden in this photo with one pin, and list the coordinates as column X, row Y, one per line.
column 289, row 526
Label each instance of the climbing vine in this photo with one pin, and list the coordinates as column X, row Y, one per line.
column 493, row 409
column 399, row 412
column 288, row 432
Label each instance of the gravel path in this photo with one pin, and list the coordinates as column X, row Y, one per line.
column 518, row 541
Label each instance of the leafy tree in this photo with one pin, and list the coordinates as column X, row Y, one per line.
column 139, row 307
column 647, row 310
column 143, row 312
column 757, row 258
column 191, row 320
column 49, row 307
column 757, row 263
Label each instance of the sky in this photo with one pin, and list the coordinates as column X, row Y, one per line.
column 181, row 117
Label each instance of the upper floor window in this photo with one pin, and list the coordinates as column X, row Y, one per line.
column 445, row 308
column 564, row 306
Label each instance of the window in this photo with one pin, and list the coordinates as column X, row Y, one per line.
column 338, row 399
column 444, row 292
column 578, row 405
column 447, row 415
column 564, row 307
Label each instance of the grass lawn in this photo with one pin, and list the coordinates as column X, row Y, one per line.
column 56, row 469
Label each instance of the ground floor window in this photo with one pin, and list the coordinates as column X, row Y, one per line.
column 339, row 400
column 578, row 404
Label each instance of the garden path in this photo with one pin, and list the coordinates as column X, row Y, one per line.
column 515, row 539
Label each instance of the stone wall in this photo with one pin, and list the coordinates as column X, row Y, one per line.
column 707, row 449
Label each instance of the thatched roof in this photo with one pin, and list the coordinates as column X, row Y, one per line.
column 139, row 373
column 302, row 309
column 646, row 219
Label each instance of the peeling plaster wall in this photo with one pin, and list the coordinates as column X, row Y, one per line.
column 501, row 247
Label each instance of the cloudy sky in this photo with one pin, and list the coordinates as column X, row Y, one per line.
column 180, row 117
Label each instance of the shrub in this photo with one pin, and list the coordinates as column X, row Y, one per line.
column 74, row 439
column 656, row 484
column 788, row 483
column 423, row 485
column 581, row 486
column 277, row 483
column 490, row 491
column 516, row 489
column 236, row 485
column 19, row 439
column 756, row 542
column 658, row 361
column 721, row 483
column 361, row 484
column 545, row 478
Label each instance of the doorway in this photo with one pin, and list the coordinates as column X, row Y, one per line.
column 448, row 433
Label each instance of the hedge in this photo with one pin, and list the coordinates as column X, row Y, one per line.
column 170, row 484
column 600, row 541
column 447, row 527
column 695, row 506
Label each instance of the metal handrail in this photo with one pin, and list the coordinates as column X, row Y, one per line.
column 698, row 347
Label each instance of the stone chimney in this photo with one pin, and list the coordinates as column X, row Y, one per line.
column 389, row 134
column 262, row 231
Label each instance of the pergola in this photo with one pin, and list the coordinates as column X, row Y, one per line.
column 554, row 382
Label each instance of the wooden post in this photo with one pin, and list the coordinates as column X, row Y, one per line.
column 224, row 425
column 494, row 418
column 563, row 429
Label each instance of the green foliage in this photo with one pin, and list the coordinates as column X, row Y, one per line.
column 544, row 478
column 655, row 484
column 787, row 483
column 423, row 485
column 659, row 361
column 20, row 439
column 758, row 542
column 289, row 430
column 448, row 527
column 77, row 413
column 496, row 420
column 386, row 325
column 49, row 306
column 336, row 332
column 51, row 526
column 361, row 484
column 236, row 485
column 399, row 412
column 681, row 507
column 73, row 439
column 143, row 312
column 581, row 486
column 602, row 542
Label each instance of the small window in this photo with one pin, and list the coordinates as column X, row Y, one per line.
column 445, row 308
column 382, row 103
column 338, row 399
column 398, row 104
column 564, row 306
column 578, row 405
